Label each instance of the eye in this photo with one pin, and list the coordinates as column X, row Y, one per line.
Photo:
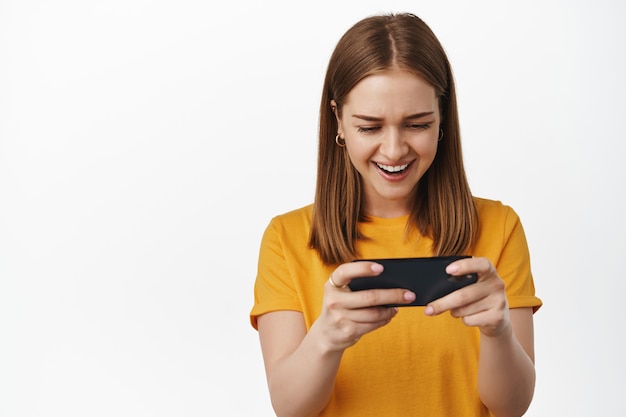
column 368, row 129
column 418, row 126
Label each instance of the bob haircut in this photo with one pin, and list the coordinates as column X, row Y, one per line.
column 442, row 206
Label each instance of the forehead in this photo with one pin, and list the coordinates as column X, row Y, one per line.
column 393, row 90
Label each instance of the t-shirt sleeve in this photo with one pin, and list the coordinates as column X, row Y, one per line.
column 514, row 267
column 274, row 288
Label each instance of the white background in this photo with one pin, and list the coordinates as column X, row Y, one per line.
column 144, row 146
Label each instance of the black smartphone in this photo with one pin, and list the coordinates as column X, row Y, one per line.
column 426, row 277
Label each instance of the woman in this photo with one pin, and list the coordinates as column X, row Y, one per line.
column 391, row 184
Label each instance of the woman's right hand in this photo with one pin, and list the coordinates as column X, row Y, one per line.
column 302, row 365
column 348, row 315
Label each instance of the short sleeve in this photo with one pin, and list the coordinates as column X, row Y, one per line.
column 274, row 288
column 514, row 265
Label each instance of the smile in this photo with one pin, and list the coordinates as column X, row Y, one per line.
column 392, row 169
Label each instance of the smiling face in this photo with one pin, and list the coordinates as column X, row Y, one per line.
column 390, row 123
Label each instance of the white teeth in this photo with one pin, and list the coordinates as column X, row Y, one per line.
column 390, row 168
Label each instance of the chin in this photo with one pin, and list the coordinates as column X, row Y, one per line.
column 396, row 197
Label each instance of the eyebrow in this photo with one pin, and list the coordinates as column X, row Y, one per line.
column 378, row 119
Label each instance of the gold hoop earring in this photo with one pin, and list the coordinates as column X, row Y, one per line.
column 440, row 135
column 340, row 141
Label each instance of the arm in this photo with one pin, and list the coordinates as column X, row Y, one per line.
column 301, row 366
column 300, row 370
column 506, row 372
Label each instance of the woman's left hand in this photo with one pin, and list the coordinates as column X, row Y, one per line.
column 482, row 304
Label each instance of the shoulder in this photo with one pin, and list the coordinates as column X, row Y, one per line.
column 496, row 218
column 502, row 240
column 294, row 217
column 293, row 224
column 485, row 205
column 493, row 210
column 286, row 239
column 499, row 225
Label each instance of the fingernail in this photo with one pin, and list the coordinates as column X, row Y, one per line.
column 429, row 311
column 409, row 296
column 377, row 268
column 452, row 269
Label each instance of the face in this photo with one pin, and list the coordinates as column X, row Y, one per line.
column 390, row 124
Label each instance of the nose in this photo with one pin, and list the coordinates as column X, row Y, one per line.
column 393, row 146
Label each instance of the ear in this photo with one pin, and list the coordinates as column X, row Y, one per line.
column 333, row 106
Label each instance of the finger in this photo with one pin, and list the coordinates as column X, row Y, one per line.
column 472, row 293
column 491, row 322
column 472, row 309
column 378, row 297
column 335, row 285
column 374, row 315
column 457, row 299
column 341, row 277
column 480, row 266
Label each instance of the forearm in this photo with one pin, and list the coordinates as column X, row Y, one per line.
column 301, row 384
column 506, row 375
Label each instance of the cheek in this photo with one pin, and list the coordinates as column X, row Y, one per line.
column 433, row 147
column 355, row 158
column 426, row 149
column 359, row 153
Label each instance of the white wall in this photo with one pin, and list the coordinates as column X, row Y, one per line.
column 145, row 145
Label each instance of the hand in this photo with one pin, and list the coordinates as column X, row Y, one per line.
column 483, row 304
column 347, row 315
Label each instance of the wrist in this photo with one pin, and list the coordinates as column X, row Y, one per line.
column 503, row 331
column 323, row 343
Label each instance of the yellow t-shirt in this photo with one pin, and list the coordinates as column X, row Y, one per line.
column 416, row 365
